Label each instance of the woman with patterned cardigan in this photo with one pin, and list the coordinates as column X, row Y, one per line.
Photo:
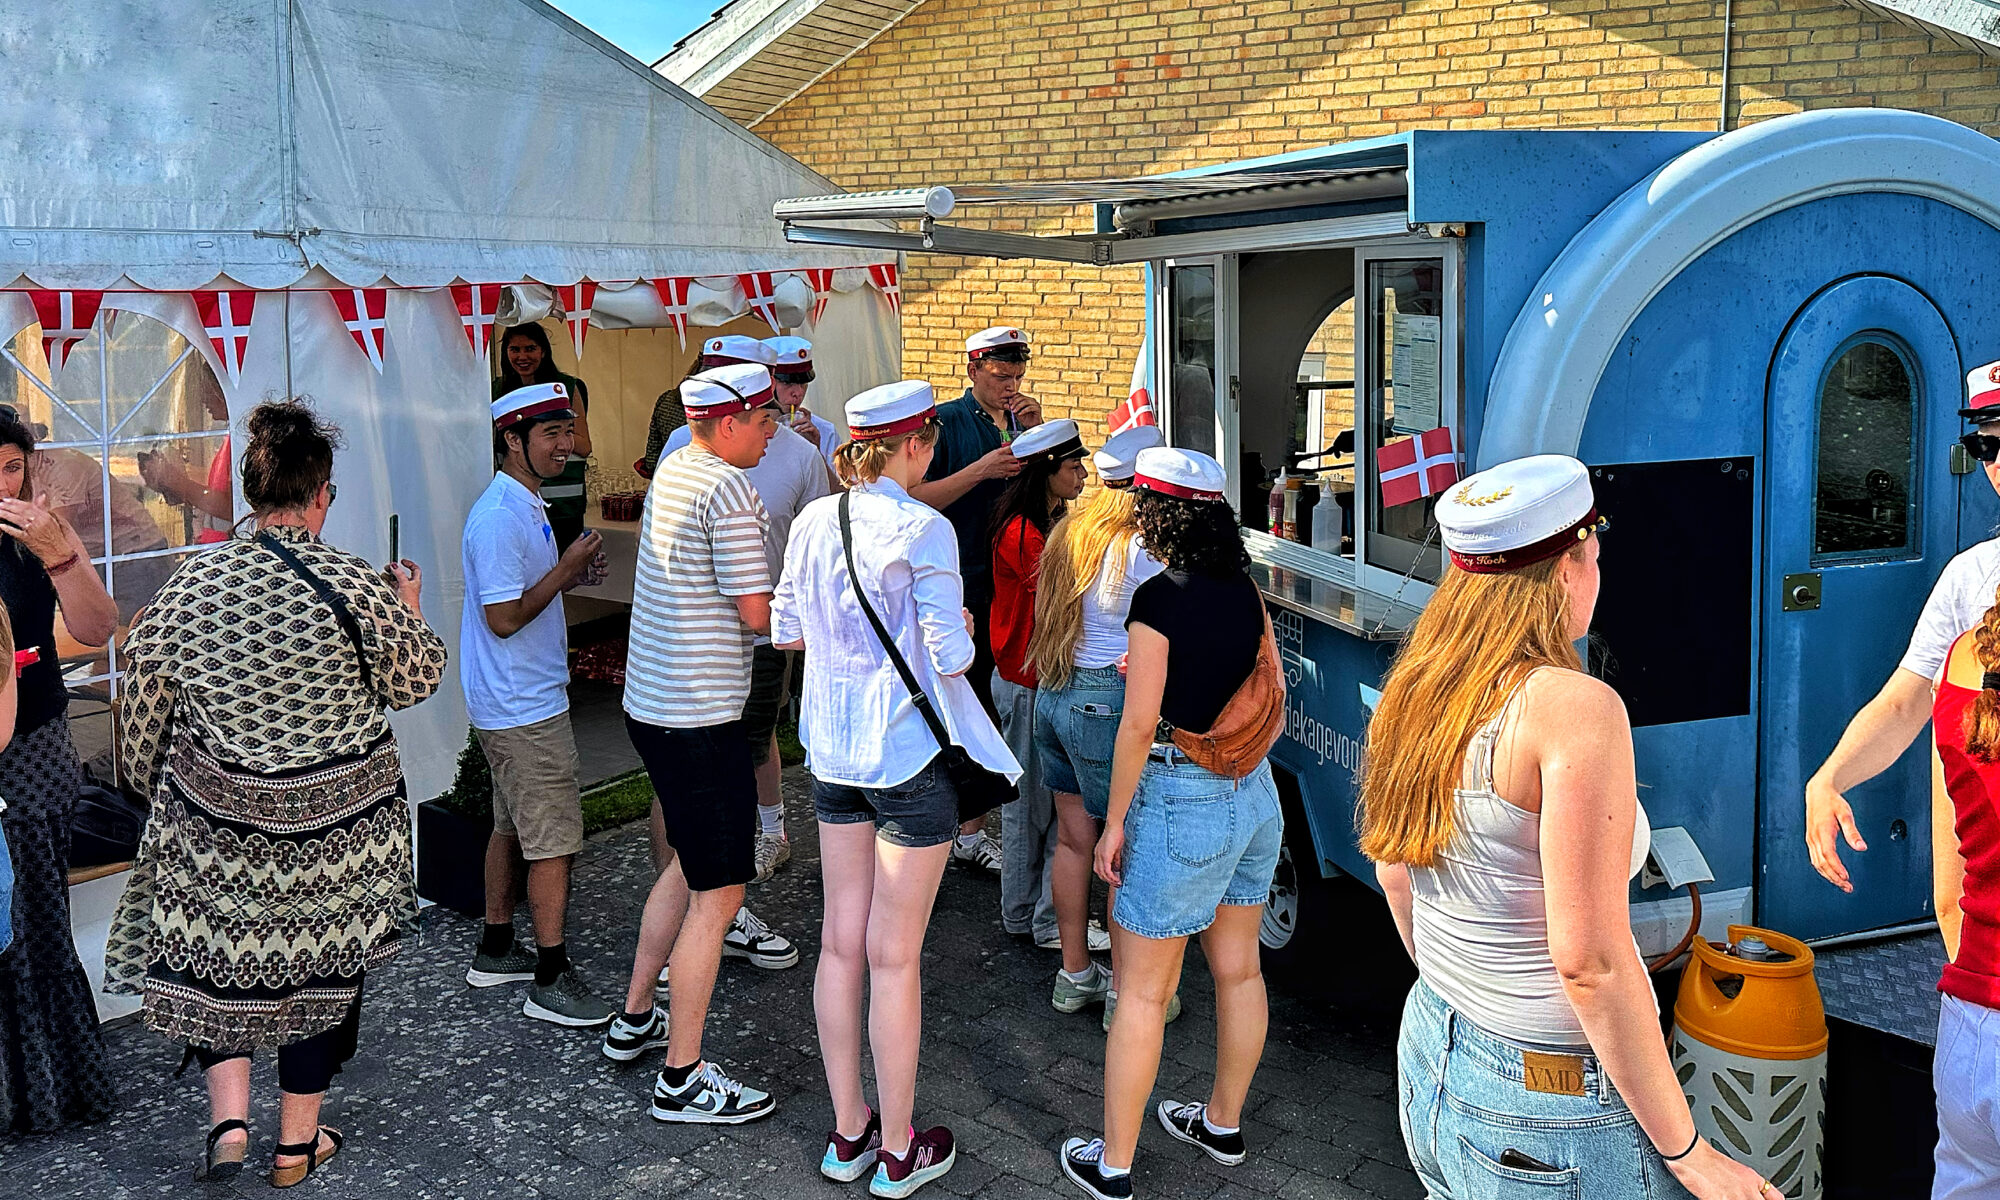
column 275, row 870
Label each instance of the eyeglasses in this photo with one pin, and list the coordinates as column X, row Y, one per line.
column 1983, row 446
column 332, row 491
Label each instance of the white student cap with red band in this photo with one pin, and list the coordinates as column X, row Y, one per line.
column 1183, row 474
column 726, row 391
column 544, row 401
column 731, row 348
column 791, row 356
column 889, row 410
column 1982, row 394
column 1516, row 514
column 1007, row 343
column 1058, row 439
column 1120, row 456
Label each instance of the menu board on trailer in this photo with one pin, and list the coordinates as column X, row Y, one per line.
column 1414, row 365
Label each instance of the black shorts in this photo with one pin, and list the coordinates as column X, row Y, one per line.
column 770, row 687
column 707, row 793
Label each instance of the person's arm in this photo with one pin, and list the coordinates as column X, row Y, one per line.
column 939, row 593
column 787, row 629
column 947, row 490
column 1576, row 729
column 736, row 533
column 581, row 446
column 1947, row 863
column 409, row 656
column 755, row 611
column 88, row 611
column 510, row 616
column 146, row 693
column 1873, row 741
column 1145, row 685
column 1395, row 881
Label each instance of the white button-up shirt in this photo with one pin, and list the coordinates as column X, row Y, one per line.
column 857, row 720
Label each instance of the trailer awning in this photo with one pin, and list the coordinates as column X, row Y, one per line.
column 1130, row 210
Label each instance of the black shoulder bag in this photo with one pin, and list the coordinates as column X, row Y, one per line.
column 980, row 791
column 341, row 611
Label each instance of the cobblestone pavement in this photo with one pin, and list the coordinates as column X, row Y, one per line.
column 456, row 1094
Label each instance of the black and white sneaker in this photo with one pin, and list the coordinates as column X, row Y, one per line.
column 624, row 1041
column 750, row 938
column 1189, row 1123
column 710, row 1098
column 1083, row 1162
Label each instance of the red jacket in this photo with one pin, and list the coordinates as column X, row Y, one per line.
column 1017, row 559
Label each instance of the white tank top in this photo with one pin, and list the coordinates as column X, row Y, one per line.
column 1481, row 922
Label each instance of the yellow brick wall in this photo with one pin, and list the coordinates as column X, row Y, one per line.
column 981, row 90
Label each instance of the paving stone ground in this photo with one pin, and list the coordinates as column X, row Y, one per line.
column 455, row 1094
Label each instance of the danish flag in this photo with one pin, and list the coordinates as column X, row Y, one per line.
column 65, row 318
column 673, row 292
column 1415, row 467
column 576, row 301
column 477, row 302
column 821, row 281
column 365, row 311
column 1137, row 408
column 883, row 276
column 761, row 294
column 225, row 316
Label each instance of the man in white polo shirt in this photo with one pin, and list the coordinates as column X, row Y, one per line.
column 514, row 663
column 791, row 374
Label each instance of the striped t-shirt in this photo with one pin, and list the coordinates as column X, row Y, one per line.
column 701, row 543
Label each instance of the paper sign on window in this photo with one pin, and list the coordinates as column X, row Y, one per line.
column 1414, row 367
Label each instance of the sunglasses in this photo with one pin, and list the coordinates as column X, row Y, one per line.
column 332, row 492
column 1983, row 446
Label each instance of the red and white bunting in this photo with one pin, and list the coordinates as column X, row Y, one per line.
column 226, row 318
column 65, row 318
column 477, row 302
column 365, row 311
column 1415, row 467
column 883, row 276
column 1137, row 407
column 821, row 281
column 674, row 298
column 576, row 301
column 760, row 293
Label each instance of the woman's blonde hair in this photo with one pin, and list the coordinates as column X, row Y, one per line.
column 1478, row 637
column 1982, row 720
column 862, row 462
column 1085, row 545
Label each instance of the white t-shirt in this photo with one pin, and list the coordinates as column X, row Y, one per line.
column 508, row 548
column 787, row 479
column 1104, row 639
column 1961, row 597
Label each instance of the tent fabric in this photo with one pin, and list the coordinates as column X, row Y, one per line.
column 174, row 145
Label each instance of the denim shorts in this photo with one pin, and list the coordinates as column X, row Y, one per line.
column 1075, row 730
column 1968, row 1093
column 1465, row 1104
column 1195, row 840
column 920, row 811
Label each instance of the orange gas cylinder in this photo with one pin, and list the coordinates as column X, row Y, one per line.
column 1749, row 1048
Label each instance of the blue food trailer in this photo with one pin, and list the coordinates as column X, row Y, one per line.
column 1755, row 339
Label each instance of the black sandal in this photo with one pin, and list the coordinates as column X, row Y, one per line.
column 284, row 1177
column 231, row 1163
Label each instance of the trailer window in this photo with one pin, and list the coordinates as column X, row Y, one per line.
column 1407, row 403
column 1862, row 499
column 1191, row 293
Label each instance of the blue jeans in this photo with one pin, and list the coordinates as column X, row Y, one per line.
column 1465, row 1105
column 920, row 811
column 1076, row 728
column 1194, row 841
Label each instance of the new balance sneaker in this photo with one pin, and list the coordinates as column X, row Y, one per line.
column 983, row 853
column 1072, row 995
column 751, row 939
column 1189, row 1123
column 929, row 1156
column 1098, row 937
column 1083, row 1162
column 624, row 1041
column 848, row 1159
column 492, row 970
column 567, row 1002
column 710, row 1098
column 774, row 850
column 1111, row 1006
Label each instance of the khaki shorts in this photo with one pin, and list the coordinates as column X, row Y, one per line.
column 535, row 798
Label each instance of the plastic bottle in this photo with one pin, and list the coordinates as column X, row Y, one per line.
column 1276, row 524
column 1289, row 528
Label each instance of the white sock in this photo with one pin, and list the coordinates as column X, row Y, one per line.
column 1106, row 1171
column 1079, row 976
column 967, row 841
column 1215, row 1129
column 771, row 819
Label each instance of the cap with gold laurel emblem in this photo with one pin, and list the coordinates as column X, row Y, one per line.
column 1517, row 513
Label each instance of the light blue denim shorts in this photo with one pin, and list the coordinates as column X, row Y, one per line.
column 1194, row 841
column 1076, row 729
column 1465, row 1105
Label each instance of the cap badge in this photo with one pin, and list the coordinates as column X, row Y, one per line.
column 1993, row 373
column 1466, row 497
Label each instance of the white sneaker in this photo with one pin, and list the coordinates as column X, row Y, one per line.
column 983, row 853
column 774, row 850
column 1098, row 937
column 751, row 939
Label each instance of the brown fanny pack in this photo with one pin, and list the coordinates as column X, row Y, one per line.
column 1249, row 725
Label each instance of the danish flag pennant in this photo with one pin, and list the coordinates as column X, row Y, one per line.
column 883, row 276
column 821, row 281
column 1137, row 408
column 760, row 292
column 1415, row 467
column 365, row 311
column 674, row 298
column 576, row 301
column 226, row 318
column 65, row 318
column 477, row 302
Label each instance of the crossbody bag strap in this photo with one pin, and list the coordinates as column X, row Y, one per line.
column 333, row 599
column 917, row 695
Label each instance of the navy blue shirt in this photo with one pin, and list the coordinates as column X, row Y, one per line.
column 968, row 435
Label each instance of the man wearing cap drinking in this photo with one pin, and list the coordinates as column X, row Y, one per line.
column 1886, row 725
column 514, row 663
column 964, row 482
column 791, row 373
column 668, row 413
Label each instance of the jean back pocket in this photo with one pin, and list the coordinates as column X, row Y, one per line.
column 1487, row 1178
column 1200, row 829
